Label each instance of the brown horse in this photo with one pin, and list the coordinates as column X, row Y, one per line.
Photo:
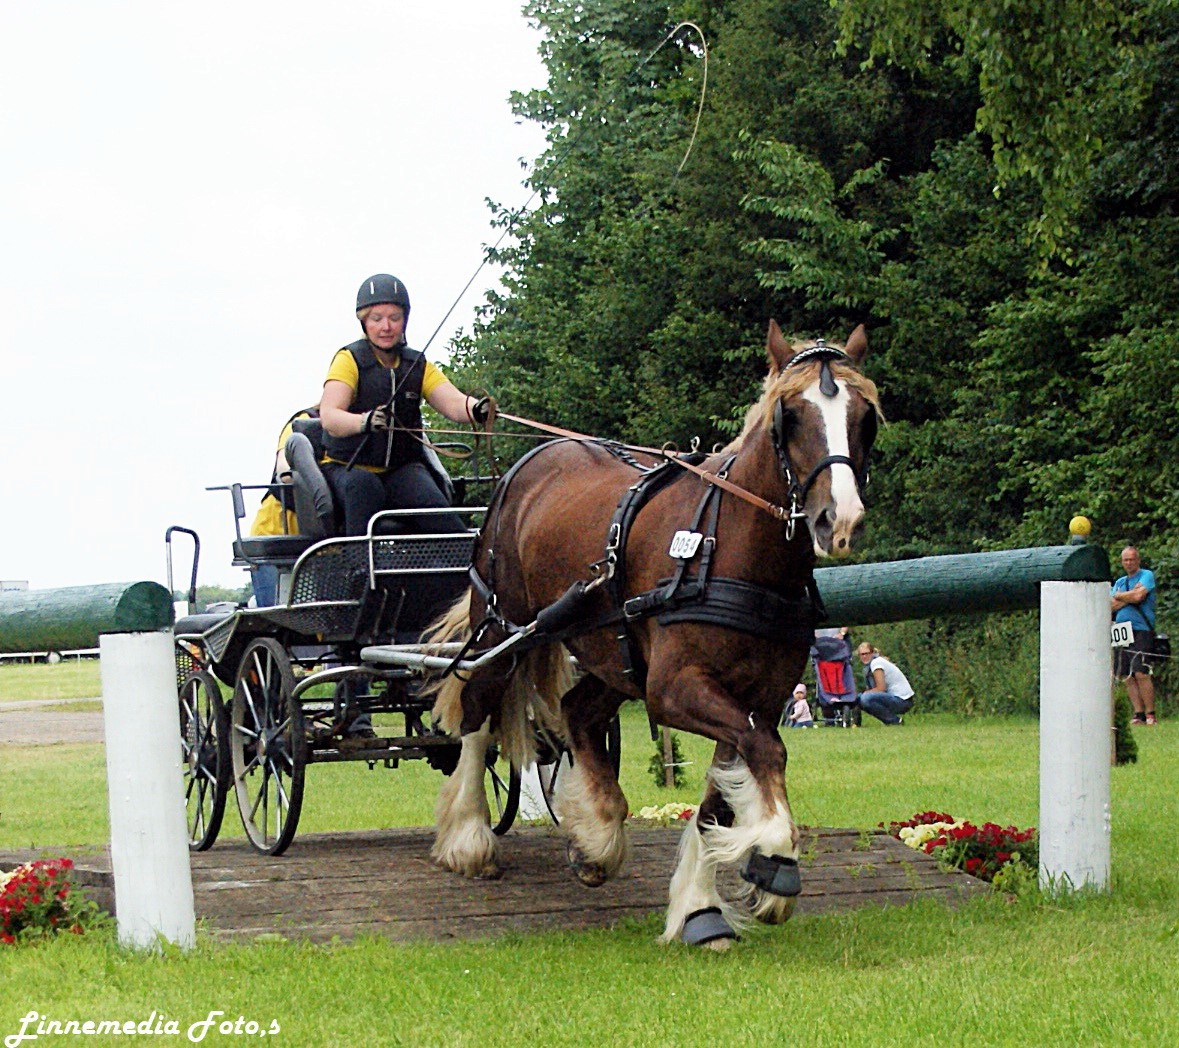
column 692, row 590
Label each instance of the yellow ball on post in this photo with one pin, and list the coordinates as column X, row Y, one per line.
column 1079, row 527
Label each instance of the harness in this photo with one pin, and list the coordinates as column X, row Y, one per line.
column 696, row 597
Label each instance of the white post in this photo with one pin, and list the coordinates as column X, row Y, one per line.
column 1075, row 726
column 532, row 805
column 149, row 827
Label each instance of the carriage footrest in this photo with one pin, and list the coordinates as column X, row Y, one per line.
column 775, row 874
column 705, row 925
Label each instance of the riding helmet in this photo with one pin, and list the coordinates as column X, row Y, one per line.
column 382, row 289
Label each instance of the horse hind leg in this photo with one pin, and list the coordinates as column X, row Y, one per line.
column 590, row 804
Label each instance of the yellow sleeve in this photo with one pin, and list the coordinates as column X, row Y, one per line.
column 432, row 378
column 289, row 428
column 343, row 369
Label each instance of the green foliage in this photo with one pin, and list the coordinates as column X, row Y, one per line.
column 1125, row 748
column 659, row 762
column 1054, row 77
column 826, row 189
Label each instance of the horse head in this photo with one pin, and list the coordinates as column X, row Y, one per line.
column 823, row 414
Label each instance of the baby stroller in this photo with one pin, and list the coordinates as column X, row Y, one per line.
column 835, row 680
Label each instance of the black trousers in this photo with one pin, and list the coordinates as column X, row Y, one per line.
column 411, row 486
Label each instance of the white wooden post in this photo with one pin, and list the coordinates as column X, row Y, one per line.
column 532, row 805
column 149, row 827
column 1075, row 726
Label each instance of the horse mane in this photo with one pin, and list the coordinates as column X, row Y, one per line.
column 789, row 382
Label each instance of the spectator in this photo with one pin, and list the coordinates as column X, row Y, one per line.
column 799, row 715
column 1132, row 600
column 889, row 695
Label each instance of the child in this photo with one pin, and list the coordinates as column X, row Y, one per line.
column 800, row 710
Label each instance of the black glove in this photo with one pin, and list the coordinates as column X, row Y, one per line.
column 378, row 418
column 483, row 409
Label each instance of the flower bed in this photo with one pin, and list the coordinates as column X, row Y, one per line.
column 989, row 851
column 665, row 815
column 39, row 899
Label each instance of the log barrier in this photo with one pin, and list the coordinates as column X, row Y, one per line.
column 131, row 625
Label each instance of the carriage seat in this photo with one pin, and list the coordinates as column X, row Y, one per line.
column 191, row 625
column 271, row 549
column 315, row 508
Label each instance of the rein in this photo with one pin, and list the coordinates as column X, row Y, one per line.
column 774, row 510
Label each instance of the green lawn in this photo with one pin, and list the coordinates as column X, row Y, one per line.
column 1085, row 970
column 68, row 679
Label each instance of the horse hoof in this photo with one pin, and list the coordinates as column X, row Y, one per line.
column 488, row 872
column 591, row 874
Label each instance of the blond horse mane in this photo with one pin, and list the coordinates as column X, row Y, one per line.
column 789, row 382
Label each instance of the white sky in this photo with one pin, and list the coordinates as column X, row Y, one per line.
column 190, row 195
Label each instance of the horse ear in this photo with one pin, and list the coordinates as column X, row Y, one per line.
column 779, row 350
column 857, row 345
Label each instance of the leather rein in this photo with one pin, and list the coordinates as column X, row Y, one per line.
column 796, row 492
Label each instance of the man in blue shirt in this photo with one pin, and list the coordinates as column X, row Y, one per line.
column 1132, row 601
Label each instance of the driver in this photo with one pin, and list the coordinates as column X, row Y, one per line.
column 372, row 421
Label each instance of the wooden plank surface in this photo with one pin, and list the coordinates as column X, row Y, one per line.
column 383, row 882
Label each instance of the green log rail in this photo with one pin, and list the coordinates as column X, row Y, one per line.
column 1006, row 580
column 73, row 617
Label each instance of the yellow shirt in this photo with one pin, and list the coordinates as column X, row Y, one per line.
column 343, row 369
column 268, row 520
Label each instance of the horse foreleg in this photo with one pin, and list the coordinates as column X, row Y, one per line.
column 745, row 814
column 590, row 803
column 463, row 840
column 696, row 912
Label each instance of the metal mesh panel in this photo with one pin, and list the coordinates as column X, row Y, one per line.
column 185, row 663
column 423, row 553
column 331, row 571
column 216, row 640
column 315, row 619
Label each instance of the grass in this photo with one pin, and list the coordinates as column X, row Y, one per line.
column 68, row 679
column 1088, row 969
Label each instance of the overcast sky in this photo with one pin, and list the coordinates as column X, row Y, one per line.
column 190, row 195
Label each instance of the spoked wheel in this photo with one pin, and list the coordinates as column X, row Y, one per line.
column 204, row 740
column 268, row 744
column 503, row 791
column 551, row 769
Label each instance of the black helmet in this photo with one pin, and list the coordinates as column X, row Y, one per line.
column 382, row 289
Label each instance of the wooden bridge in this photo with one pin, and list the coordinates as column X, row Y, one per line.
column 383, row 883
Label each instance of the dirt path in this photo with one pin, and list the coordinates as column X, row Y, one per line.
column 36, row 723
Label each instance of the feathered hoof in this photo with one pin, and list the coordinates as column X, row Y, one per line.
column 766, row 907
column 591, row 874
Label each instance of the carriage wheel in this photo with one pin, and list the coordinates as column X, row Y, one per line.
column 204, row 740
column 268, row 744
column 551, row 770
column 503, row 791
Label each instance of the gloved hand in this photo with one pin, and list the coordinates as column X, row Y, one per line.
column 378, row 418
column 483, row 410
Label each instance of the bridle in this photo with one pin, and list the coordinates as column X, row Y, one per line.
column 796, row 493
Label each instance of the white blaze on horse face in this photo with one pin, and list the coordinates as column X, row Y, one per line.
column 834, row 524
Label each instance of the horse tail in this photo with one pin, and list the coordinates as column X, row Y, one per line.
column 532, row 702
column 452, row 625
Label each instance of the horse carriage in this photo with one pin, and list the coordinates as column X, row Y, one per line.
column 301, row 694
column 600, row 573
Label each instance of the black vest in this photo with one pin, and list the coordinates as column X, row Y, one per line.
column 375, row 387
